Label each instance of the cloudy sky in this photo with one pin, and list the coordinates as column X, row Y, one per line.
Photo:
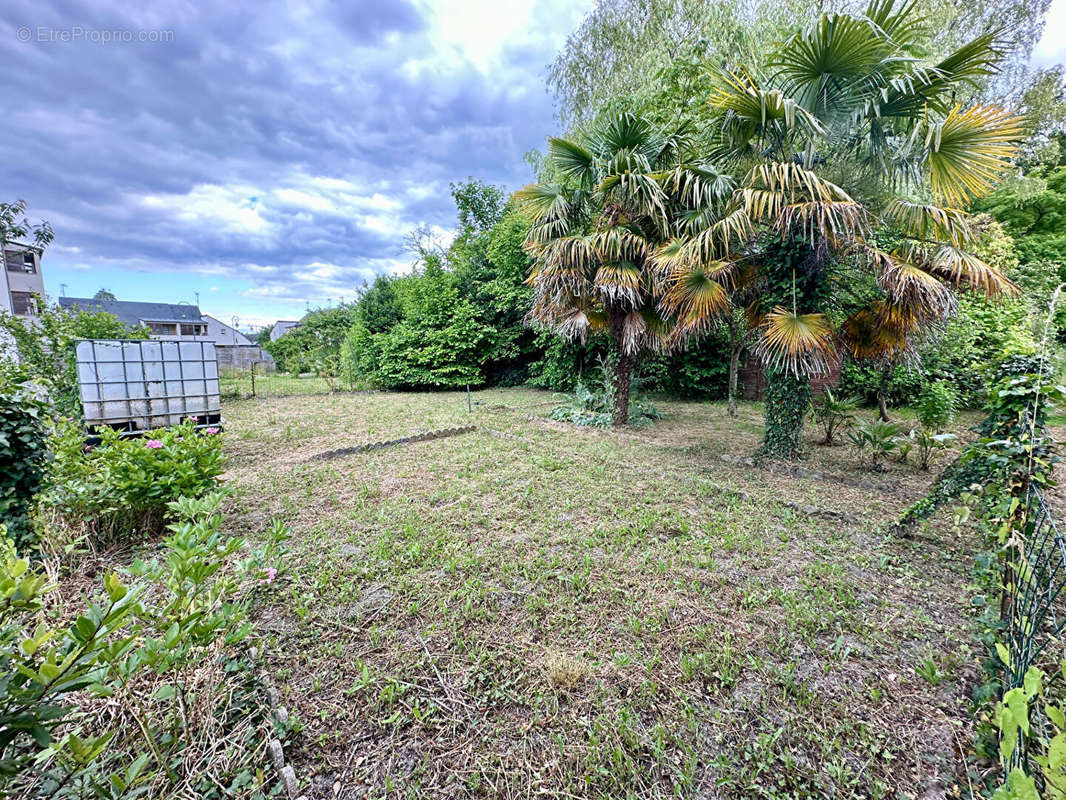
column 265, row 155
column 273, row 155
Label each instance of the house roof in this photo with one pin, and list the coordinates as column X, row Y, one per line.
column 133, row 313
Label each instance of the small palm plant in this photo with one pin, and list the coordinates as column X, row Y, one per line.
column 881, row 438
column 833, row 415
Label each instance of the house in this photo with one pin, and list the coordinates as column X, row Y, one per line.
column 222, row 334
column 167, row 321
column 21, row 282
column 234, row 349
column 281, row 327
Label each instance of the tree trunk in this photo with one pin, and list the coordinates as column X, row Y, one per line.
column 882, row 395
column 734, row 366
column 787, row 400
column 623, row 374
column 623, row 370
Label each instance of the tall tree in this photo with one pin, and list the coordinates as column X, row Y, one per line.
column 601, row 237
column 844, row 135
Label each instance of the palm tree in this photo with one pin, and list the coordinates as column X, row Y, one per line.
column 603, row 237
column 850, row 139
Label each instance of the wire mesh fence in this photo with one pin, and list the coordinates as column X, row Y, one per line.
column 1033, row 612
column 254, row 382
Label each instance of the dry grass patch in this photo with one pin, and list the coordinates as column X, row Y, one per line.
column 536, row 609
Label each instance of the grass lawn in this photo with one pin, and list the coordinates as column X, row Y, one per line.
column 535, row 609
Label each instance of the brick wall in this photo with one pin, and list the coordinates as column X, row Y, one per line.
column 753, row 378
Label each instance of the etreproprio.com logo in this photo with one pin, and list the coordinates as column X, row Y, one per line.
column 77, row 33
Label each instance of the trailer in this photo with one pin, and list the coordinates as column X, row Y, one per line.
column 136, row 386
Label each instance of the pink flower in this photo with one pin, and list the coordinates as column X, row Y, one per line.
column 211, row 431
column 153, row 444
column 271, row 574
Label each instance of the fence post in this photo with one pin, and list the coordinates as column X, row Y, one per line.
column 253, row 379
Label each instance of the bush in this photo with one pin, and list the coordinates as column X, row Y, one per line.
column 23, row 452
column 937, row 406
column 46, row 349
column 123, row 486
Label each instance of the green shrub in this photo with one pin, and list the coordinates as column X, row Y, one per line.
column 46, row 349
column 23, row 452
column 123, row 485
column 937, row 406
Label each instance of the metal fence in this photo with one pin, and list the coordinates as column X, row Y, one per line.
column 1033, row 610
column 255, row 382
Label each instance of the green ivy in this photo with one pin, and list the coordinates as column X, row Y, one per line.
column 787, row 400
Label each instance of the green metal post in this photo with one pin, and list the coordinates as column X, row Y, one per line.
column 468, row 408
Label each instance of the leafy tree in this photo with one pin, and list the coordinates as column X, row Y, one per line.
column 378, row 307
column 16, row 228
column 316, row 344
column 46, row 349
column 439, row 343
column 104, row 294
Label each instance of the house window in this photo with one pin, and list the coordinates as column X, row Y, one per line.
column 161, row 328
column 24, row 304
column 190, row 329
column 20, row 261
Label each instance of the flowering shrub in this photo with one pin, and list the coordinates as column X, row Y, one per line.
column 123, row 485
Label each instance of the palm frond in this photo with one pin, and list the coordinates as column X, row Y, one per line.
column 542, row 201
column 798, row 343
column 879, row 332
column 966, row 270
column 696, row 296
column 619, row 282
column 833, row 66
column 572, row 161
column 930, row 222
column 967, row 151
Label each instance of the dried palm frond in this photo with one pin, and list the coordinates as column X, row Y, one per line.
column 618, row 243
column 696, row 296
column 619, row 282
column 964, row 269
column 798, row 343
column 878, row 333
column 838, row 220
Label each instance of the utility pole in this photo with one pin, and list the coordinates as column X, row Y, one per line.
column 62, row 290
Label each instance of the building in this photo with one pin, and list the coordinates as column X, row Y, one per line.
column 236, row 350
column 222, row 334
column 281, row 327
column 21, row 282
column 166, row 321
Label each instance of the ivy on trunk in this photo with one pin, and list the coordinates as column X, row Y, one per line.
column 787, row 399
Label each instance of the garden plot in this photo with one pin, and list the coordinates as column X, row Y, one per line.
column 538, row 609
